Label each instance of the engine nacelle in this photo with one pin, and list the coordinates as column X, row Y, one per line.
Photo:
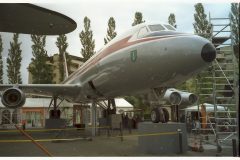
column 176, row 97
column 13, row 98
column 188, row 98
column 172, row 96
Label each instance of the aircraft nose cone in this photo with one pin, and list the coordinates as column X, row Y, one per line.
column 208, row 52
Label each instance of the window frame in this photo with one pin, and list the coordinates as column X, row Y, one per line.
column 149, row 26
column 6, row 119
column 171, row 27
column 142, row 35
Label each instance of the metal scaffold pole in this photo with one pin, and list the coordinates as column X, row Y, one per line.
column 220, row 87
column 94, row 123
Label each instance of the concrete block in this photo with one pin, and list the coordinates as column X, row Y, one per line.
column 166, row 143
column 55, row 123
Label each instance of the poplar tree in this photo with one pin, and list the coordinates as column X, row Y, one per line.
column 138, row 19
column 87, row 41
column 110, row 31
column 172, row 20
column 40, row 70
column 14, row 61
column 62, row 47
column 234, row 21
column 234, row 17
column 1, row 61
column 201, row 26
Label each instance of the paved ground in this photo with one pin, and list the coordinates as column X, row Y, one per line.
column 99, row 146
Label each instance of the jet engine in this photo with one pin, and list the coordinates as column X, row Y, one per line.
column 188, row 98
column 13, row 98
column 176, row 97
column 172, row 96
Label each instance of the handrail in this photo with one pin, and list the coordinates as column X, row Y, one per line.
column 224, row 74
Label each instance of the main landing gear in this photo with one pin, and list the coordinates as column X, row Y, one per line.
column 55, row 112
column 159, row 114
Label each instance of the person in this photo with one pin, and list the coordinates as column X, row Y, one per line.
column 126, row 121
column 197, row 126
column 182, row 118
column 193, row 126
column 24, row 125
column 134, row 121
column 188, row 121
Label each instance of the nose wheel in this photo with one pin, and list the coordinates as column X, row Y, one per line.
column 159, row 114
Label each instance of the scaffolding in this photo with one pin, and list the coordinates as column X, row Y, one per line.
column 217, row 85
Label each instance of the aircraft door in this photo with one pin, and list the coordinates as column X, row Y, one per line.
column 92, row 89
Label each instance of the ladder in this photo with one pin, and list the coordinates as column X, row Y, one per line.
column 217, row 83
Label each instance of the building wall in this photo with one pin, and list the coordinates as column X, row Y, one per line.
column 33, row 116
column 34, row 113
column 67, row 113
column 9, row 116
column 54, row 62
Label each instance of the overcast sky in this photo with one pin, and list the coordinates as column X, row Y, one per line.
column 99, row 11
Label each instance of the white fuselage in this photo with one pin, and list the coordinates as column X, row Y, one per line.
column 133, row 63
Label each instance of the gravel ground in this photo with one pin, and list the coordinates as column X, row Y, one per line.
column 101, row 145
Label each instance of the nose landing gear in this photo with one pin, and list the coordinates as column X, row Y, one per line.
column 159, row 114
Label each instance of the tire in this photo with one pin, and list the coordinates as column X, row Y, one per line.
column 155, row 115
column 166, row 115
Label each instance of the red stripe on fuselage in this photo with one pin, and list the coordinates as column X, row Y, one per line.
column 113, row 48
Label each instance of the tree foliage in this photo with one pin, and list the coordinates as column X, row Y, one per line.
column 234, row 16
column 62, row 47
column 201, row 25
column 172, row 20
column 86, row 38
column 111, row 33
column 1, row 61
column 14, row 61
column 138, row 19
column 40, row 70
column 203, row 28
column 139, row 102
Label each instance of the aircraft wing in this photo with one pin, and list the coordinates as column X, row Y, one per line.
column 61, row 90
column 32, row 19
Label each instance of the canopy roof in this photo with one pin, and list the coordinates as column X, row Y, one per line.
column 209, row 108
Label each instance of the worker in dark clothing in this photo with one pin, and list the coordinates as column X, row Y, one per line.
column 24, row 125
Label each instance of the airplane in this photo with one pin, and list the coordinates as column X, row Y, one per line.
column 149, row 56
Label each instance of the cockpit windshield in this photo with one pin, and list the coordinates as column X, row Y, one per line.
column 157, row 27
column 169, row 27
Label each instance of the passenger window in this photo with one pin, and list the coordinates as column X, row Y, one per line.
column 169, row 27
column 142, row 32
column 157, row 27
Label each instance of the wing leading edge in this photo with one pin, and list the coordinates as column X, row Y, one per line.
column 60, row 90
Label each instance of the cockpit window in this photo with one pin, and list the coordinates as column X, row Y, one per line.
column 169, row 27
column 157, row 27
column 142, row 32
